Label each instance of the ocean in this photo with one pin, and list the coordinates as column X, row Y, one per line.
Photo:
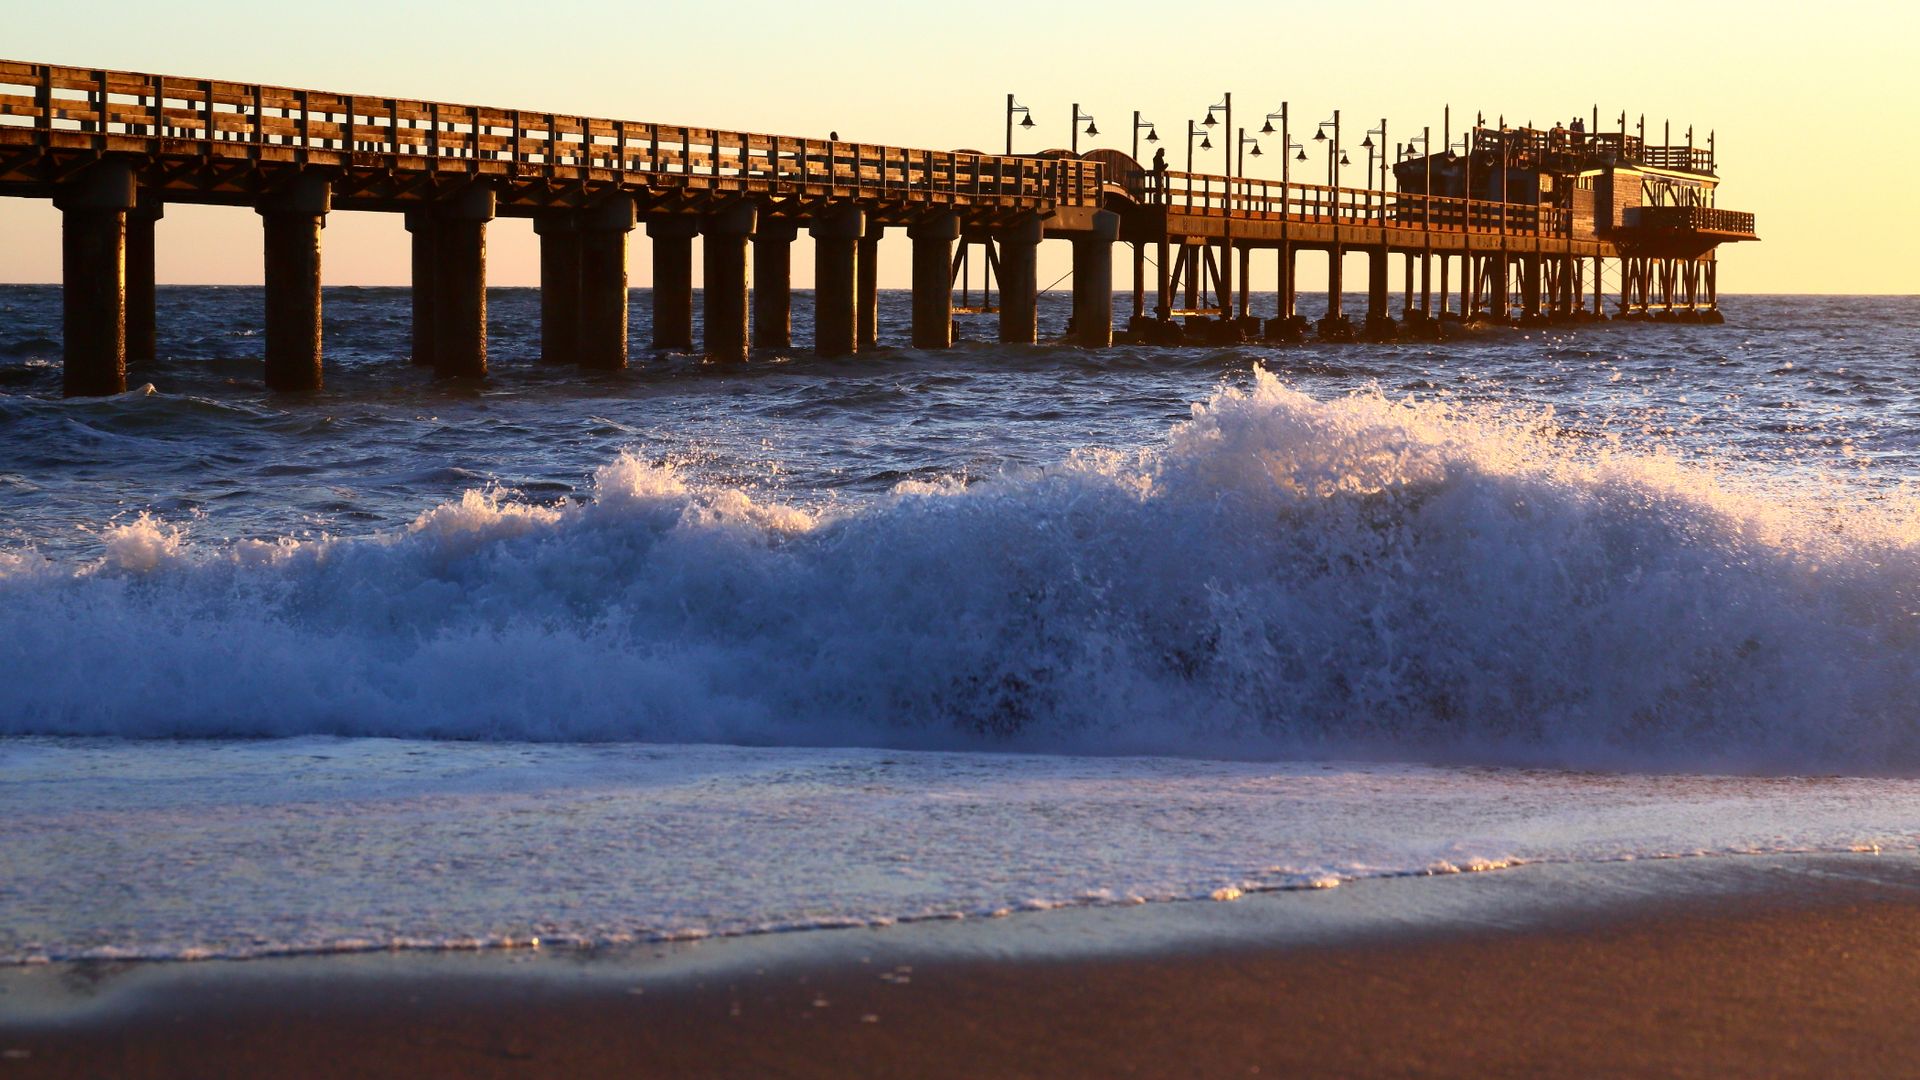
column 697, row 650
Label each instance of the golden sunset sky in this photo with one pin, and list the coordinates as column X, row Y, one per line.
column 1814, row 105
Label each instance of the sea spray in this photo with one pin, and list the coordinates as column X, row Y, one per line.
column 1285, row 576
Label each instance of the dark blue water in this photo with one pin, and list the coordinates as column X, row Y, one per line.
column 1649, row 544
column 1821, row 387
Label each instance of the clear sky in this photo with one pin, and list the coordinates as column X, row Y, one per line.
column 1814, row 105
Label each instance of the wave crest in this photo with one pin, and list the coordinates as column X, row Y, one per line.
column 1360, row 577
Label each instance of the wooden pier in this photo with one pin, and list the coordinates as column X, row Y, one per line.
column 112, row 148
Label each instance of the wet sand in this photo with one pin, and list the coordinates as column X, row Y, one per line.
column 1698, row 967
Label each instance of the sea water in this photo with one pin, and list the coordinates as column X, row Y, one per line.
column 699, row 649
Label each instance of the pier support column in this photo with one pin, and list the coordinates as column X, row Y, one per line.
column 142, row 334
column 420, row 225
column 1530, row 287
column 601, row 313
column 836, row 281
column 1093, row 282
column 724, row 248
column 1377, row 291
column 1336, row 283
column 1163, row 278
column 773, row 284
column 933, row 239
column 1446, row 293
column 1426, row 283
column 559, row 287
column 673, row 281
column 293, row 218
column 93, row 251
column 1020, row 281
column 867, row 293
column 460, row 283
column 1498, row 288
column 1286, row 291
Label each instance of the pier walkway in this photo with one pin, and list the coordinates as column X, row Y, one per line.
column 112, row 149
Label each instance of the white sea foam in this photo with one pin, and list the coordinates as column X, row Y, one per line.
column 121, row 849
column 1285, row 576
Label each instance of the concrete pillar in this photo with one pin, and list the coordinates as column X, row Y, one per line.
column 1093, row 281
column 1336, row 280
column 673, row 281
column 1020, row 281
column 773, row 284
column 142, row 333
column 1246, row 279
column 867, row 293
column 725, row 258
column 1497, row 288
column 93, row 249
column 460, row 283
column 601, row 313
column 1530, row 274
column 292, row 218
column 933, row 239
column 1377, row 296
column 560, row 241
column 836, row 281
column 1286, row 290
column 1163, row 279
column 420, row 224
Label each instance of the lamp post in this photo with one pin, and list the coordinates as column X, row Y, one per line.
column 1206, row 143
column 1026, row 120
column 1077, row 117
column 1152, row 135
column 1368, row 144
column 1333, row 149
column 1245, row 141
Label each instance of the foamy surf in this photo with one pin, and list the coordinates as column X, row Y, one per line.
column 1285, row 576
column 158, row 850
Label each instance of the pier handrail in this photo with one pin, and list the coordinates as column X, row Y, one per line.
column 103, row 110
column 1257, row 199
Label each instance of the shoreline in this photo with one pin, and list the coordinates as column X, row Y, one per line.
column 1755, row 965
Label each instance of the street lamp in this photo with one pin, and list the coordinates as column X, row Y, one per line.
column 1152, row 135
column 1026, row 120
column 1333, row 147
column 1206, row 143
column 1077, row 117
column 1225, row 108
column 1367, row 142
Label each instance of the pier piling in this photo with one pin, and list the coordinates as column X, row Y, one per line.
column 601, row 288
column 460, row 282
column 1019, row 281
column 724, row 248
column 672, row 281
column 1093, row 281
column 291, row 220
column 560, row 279
column 836, row 280
column 142, row 330
column 93, row 242
column 426, row 252
column 773, row 284
column 933, row 238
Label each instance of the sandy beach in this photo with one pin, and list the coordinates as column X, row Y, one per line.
column 1764, row 966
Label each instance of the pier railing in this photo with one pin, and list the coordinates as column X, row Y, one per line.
column 88, row 109
column 1316, row 204
column 1689, row 218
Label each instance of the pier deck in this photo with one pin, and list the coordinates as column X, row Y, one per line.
column 112, row 148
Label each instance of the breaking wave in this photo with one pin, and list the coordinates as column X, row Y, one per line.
column 1284, row 577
